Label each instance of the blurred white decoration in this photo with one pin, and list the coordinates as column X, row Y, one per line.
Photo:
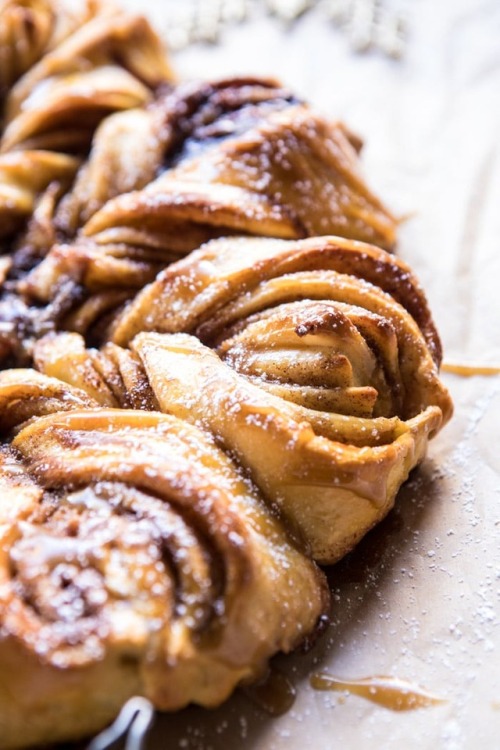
column 288, row 10
column 369, row 24
column 131, row 727
column 234, row 10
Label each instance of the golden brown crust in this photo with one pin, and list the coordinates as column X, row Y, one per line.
column 332, row 476
column 29, row 28
column 324, row 380
column 252, row 406
column 133, row 560
column 24, row 175
column 235, row 157
column 205, row 291
column 63, row 67
column 321, row 377
column 59, row 101
column 287, row 171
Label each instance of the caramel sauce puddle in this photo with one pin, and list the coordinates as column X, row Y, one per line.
column 275, row 694
column 389, row 692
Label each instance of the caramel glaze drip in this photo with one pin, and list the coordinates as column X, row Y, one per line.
column 389, row 692
column 275, row 694
column 467, row 371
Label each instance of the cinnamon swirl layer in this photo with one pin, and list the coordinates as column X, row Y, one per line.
column 235, row 157
column 314, row 362
column 318, row 369
column 133, row 560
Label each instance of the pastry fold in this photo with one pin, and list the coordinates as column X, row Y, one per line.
column 24, row 176
column 134, row 560
column 63, row 68
column 282, row 160
column 30, row 28
column 317, row 367
column 113, row 61
column 314, row 362
column 235, row 157
column 332, row 476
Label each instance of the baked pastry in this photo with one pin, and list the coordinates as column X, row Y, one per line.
column 314, row 362
column 134, row 560
column 112, row 61
column 255, row 403
column 240, row 155
column 229, row 158
column 30, row 28
column 24, row 176
column 64, row 67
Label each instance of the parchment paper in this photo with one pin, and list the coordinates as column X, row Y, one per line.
column 420, row 598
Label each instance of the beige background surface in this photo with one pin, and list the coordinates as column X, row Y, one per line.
column 420, row 599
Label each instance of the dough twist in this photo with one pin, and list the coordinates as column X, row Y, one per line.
column 111, row 62
column 134, row 560
column 230, row 158
column 323, row 377
column 63, row 69
column 29, row 28
column 315, row 362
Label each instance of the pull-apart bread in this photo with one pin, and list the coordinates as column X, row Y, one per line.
column 214, row 373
